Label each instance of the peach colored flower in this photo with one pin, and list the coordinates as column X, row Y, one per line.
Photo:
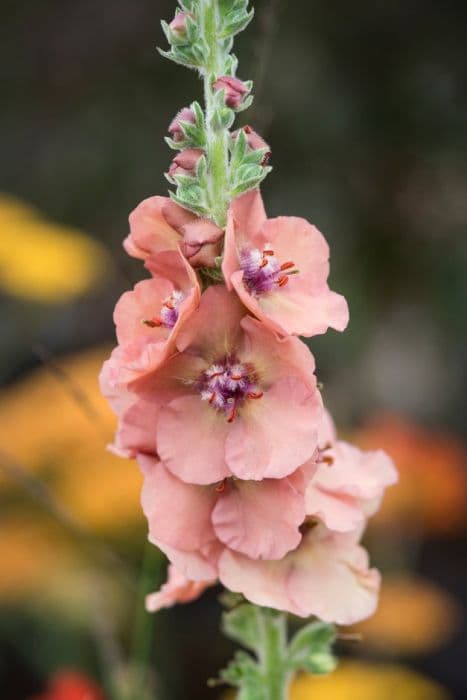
column 258, row 518
column 149, row 317
column 327, row 576
column 348, row 484
column 279, row 268
column 158, row 224
column 235, row 399
column 177, row 589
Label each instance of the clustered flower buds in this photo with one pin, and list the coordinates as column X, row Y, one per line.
column 245, row 481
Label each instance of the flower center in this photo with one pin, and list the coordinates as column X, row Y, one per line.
column 168, row 314
column 227, row 384
column 262, row 271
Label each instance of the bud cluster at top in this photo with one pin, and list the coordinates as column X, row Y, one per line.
column 213, row 165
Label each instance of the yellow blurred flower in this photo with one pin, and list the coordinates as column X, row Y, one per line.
column 356, row 680
column 43, row 261
column 58, row 428
column 414, row 616
column 432, row 491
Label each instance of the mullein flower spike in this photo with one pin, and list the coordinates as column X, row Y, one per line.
column 245, row 481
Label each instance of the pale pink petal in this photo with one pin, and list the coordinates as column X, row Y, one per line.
column 275, row 434
column 214, row 329
column 177, row 589
column 327, row 434
column 326, row 576
column 260, row 519
column 191, row 440
column 178, row 514
column 196, row 566
column 337, row 511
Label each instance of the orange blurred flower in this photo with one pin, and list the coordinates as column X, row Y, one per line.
column 414, row 616
column 70, row 685
column 432, row 490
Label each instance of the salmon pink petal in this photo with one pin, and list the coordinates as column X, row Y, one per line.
column 190, row 440
column 276, row 434
column 245, row 219
column 215, row 327
column 260, row 519
column 326, row 576
column 178, row 514
column 295, row 311
column 150, row 231
column 337, row 511
column 177, row 589
column 275, row 357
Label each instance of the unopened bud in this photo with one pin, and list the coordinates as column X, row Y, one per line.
column 175, row 130
column 254, row 141
column 178, row 24
column 185, row 162
column 234, row 89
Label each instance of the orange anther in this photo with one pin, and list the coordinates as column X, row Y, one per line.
column 236, row 377
column 152, row 322
column 287, row 265
column 255, row 394
column 232, row 414
column 268, row 252
column 282, row 281
column 213, row 396
column 169, row 304
column 220, row 487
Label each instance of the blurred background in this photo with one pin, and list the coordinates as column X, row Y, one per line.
column 364, row 107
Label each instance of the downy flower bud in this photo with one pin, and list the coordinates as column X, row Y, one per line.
column 178, row 24
column 254, row 141
column 185, row 115
column 185, row 162
column 234, row 89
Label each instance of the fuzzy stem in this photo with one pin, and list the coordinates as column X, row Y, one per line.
column 273, row 654
column 216, row 147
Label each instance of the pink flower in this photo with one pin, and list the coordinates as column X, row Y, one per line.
column 149, row 317
column 185, row 162
column 234, row 90
column 177, row 589
column 158, row 224
column 235, row 400
column 326, row 576
column 254, row 141
column 260, row 519
column 175, row 129
column 349, row 484
column 279, row 268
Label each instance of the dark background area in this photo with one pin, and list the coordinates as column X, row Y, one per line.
column 364, row 106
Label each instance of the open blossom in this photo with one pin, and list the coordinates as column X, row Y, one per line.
column 177, row 589
column 348, row 484
column 327, row 576
column 244, row 401
column 149, row 317
column 158, row 224
column 260, row 519
column 279, row 268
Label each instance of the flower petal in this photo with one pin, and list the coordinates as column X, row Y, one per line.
column 177, row 589
column 260, row 519
column 191, row 440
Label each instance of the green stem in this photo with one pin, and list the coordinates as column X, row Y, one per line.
column 143, row 629
column 273, row 654
column 216, row 146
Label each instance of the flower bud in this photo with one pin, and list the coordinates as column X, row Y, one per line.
column 234, row 89
column 254, row 141
column 178, row 24
column 185, row 162
column 175, row 130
